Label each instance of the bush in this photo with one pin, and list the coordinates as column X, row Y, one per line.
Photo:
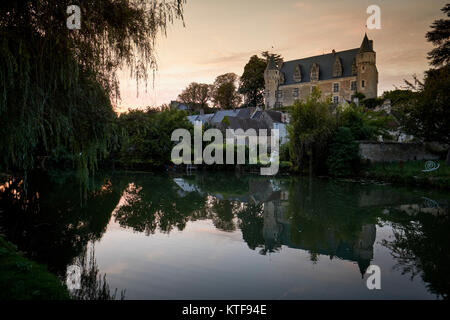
column 284, row 152
column 343, row 159
column 310, row 129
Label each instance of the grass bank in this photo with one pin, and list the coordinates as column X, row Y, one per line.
column 409, row 173
column 22, row 279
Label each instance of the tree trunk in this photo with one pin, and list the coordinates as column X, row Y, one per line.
column 447, row 161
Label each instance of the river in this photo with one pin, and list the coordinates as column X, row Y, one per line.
column 227, row 236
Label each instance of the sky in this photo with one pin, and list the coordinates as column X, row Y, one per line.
column 220, row 36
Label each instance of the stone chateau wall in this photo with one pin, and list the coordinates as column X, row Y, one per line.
column 394, row 151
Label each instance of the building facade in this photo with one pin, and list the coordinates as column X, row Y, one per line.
column 338, row 76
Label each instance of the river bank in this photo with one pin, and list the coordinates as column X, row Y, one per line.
column 23, row 279
column 410, row 173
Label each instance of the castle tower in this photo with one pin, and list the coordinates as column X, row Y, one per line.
column 272, row 81
column 367, row 75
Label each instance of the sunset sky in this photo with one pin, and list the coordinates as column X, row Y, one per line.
column 220, row 36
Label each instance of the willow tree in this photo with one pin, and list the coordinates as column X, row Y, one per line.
column 59, row 86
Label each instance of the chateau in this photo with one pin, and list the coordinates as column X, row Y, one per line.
column 338, row 75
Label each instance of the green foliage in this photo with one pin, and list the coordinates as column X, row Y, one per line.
column 439, row 36
column 426, row 114
column 410, row 173
column 57, row 84
column 226, row 121
column 398, row 96
column 146, row 136
column 196, row 95
column 372, row 103
column 252, row 81
column 285, row 152
column 22, row 279
column 343, row 159
column 310, row 128
column 224, row 91
column 364, row 125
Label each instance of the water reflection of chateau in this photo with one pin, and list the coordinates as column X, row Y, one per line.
column 278, row 227
column 277, row 230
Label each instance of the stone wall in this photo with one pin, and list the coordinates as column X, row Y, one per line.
column 394, row 151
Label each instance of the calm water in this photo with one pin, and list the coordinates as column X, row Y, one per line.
column 221, row 236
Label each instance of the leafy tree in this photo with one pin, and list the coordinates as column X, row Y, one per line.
column 426, row 114
column 146, row 137
column 309, row 130
column 440, row 37
column 224, row 91
column 398, row 96
column 57, row 84
column 252, row 81
column 343, row 159
column 364, row 125
column 196, row 94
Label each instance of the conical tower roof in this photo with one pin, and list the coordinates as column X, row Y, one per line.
column 366, row 45
column 271, row 65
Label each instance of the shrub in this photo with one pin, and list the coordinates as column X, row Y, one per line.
column 343, row 159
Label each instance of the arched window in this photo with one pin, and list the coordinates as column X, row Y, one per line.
column 314, row 73
column 337, row 68
column 297, row 74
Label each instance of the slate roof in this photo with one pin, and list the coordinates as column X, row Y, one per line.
column 245, row 124
column 245, row 113
column 202, row 117
column 275, row 115
column 367, row 45
column 325, row 63
column 257, row 115
column 219, row 115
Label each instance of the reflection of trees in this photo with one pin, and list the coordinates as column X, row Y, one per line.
column 251, row 222
column 155, row 203
column 422, row 248
column 223, row 212
column 49, row 223
column 92, row 285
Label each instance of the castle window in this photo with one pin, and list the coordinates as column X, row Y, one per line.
column 353, row 86
column 295, row 92
column 336, row 87
column 337, row 68
column 297, row 74
column 354, row 68
column 363, row 84
column 314, row 73
column 279, row 94
column 336, row 99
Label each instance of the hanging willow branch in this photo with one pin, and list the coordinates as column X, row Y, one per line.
column 56, row 84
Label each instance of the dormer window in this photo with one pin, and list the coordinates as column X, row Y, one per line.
column 354, row 68
column 297, row 74
column 337, row 68
column 314, row 73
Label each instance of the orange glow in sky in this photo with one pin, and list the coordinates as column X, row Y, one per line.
column 220, row 36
